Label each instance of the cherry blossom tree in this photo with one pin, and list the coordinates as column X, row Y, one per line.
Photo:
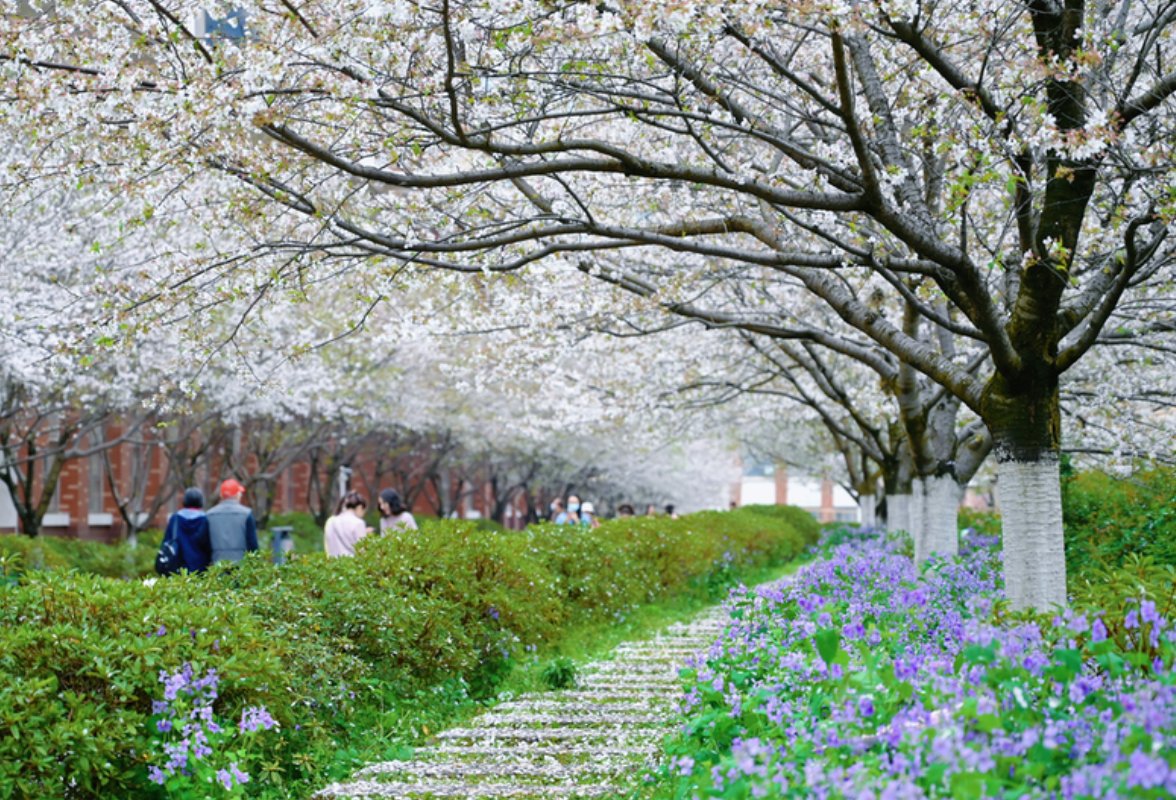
column 1004, row 169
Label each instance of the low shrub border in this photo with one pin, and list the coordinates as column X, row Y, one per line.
column 87, row 660
column 863, row 678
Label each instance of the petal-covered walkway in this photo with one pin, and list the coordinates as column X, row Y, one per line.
column 592, row 741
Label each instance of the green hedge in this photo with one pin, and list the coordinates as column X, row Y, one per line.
column 81, row 655
column 798, row 518
column 96, row 558
column 1109, row 520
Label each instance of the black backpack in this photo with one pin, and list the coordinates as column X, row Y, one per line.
column 168, row 560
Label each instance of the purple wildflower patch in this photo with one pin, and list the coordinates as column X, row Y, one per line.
column 866, row 677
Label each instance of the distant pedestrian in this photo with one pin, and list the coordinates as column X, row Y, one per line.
column 231, row 526
column 670, row 511
column 625, row 510
column 393, row 514
column 588, row 516
column 733, row 505
column 188, row 530
column 557, row 508
column 651, row 510
column 348, row 526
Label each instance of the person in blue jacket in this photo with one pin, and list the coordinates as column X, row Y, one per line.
column 188, row 528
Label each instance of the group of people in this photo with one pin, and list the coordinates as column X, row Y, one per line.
column 574, row 513
column 625, row 510
column 347, row 525
column 577, row 513
column 227, row 531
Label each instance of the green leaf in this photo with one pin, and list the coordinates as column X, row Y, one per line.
column 828, row 642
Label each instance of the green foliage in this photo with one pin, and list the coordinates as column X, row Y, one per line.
column 802, row 521
column 321, row 642
column 1116, row 595
column 80, row 658
column 1108, row 520
column 986, row 523
column 95, row 558
column 559, row 673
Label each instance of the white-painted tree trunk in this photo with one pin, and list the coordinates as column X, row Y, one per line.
column 1034, row 551
column 916, row 512
column 898, row 512
column 868, row 511
column 935, row 518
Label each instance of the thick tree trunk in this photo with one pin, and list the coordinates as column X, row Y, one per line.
column 934, row 514
column 1026, row 431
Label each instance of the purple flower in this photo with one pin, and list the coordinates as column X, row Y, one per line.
column 1131, row 621
column 865, row 707
column 164, row 726
column 225, row 778
column 854, row 630
column 156, row 775
column 1146, row 772
column 1098, row 631
column 256, row 717
column 1147, row 611
column 242, row 777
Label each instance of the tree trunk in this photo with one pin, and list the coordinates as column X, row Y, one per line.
column 1026, row 432
column 866, row 503
column 936, row 503
column 897, row 478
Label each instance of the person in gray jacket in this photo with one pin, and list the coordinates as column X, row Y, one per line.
column 231, row 526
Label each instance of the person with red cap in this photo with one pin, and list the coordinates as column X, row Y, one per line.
column 231, row 525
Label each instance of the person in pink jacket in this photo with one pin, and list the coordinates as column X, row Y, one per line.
column 348, row 526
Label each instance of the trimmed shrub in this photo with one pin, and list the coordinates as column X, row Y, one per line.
column 95, row 558
column 802, row 521
column 81, row 656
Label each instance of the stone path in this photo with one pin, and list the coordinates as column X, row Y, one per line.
column 592, row 741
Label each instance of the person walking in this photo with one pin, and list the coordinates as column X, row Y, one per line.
column 231, row 526
column 188, row 529
column 393, row 514
column 347, row 527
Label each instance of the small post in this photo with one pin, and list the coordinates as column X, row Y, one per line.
column 283, row 543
